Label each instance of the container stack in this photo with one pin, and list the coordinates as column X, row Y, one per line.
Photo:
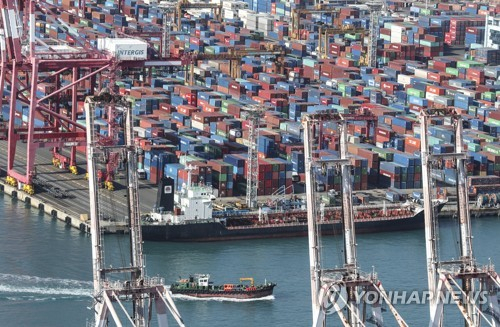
column 488, row 56
column 403, row 173
column 431, row 47
column 222, row 177
column 474, row 35
column 458, row 27
column 205, row 124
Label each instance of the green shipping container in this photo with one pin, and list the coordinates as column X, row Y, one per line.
column 425, row 12
column 473, row 147
column 492, row 148
column 452, row 71
column 434, row 141
column 488, row 96
column 309, row 62
column 384, row 154
column 426, row 43
column 492, row 121
column 415, row 92
column 468, row 64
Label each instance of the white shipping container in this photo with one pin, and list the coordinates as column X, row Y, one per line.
column 124, row 48
column 396, row 38
column 470, row 93
column 198, row 125
column 229, row 14
column 141, row 132
column 227, row 4
column 397, row 28
column 354, row 139
column 244, row 13
column 416, row 130
column 404, row 79
column 421, row 72
column 430, row 96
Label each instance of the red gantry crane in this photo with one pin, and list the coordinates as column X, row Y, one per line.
column 44, row 77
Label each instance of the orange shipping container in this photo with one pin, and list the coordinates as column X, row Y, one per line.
column 435, row 90
column 412, row 141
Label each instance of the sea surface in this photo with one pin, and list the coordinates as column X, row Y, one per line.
column 46, row 271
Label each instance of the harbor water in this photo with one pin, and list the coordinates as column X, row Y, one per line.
column 46, row 271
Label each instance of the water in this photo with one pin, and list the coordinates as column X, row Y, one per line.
column 46, row 271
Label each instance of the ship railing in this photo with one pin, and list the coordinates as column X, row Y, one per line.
column 395, row 217
column 268, row 225
column 295, row 223
column 389, row 206
column 245, row 213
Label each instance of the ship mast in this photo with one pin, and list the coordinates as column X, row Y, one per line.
column 444, row 276
column 346, row 283
column 110, row 292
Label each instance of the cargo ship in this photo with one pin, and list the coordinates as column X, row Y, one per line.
column 193, row 219
column 200, row 286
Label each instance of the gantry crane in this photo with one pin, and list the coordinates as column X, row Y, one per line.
column 375, row 11
column 168, row 18
column 296, row 17
column 24, row 68
column 445, row 276
column 115, row 285
column 26, row 62
column 346, row 283
column 182, row 5
column 325, row 32
column 234, row 57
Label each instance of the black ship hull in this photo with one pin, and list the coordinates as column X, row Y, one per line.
column 217, row 231
column 236, row 294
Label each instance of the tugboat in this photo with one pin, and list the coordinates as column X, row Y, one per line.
column 200, row 286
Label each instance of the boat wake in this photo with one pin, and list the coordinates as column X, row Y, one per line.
column 32, row 288
column 219, row 299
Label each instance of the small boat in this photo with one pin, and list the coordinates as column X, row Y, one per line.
column 199, row 285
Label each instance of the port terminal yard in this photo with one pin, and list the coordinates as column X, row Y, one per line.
column 72, row 207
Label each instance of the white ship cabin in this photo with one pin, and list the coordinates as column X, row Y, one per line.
column 203, row 279
column 195, row 203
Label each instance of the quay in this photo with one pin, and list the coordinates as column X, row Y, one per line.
column 60, row 212
column 50, row 208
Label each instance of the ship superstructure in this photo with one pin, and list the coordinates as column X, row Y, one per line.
column 193, row 203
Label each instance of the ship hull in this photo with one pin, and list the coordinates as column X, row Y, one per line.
column 225, row 294
column 216, row 231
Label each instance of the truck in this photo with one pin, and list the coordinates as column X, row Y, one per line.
column 141, row 174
